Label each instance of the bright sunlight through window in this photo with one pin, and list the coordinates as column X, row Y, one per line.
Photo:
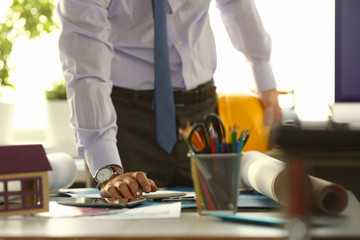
column 302, row 33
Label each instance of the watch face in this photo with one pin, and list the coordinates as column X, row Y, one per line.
column 104, row 174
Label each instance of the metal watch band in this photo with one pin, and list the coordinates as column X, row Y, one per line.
column 114, row 171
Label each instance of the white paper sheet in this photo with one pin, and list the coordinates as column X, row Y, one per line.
column 164, row 211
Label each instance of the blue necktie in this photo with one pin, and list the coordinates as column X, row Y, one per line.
column 163, row 103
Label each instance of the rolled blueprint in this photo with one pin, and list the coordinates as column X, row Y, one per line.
column 266, row 175
column 63, row 171
column 329, row 197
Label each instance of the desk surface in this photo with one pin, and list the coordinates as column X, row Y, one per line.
column 189, row 226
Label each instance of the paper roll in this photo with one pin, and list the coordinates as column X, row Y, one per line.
column 267, row 175
column 63, row 171
column 262, row 173
column 329, row 197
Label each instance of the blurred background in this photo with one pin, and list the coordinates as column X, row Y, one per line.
column 302, row 33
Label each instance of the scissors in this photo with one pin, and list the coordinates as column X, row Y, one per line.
column 202, row 134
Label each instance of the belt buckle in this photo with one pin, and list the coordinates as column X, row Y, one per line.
column 135, row 96
column 202, row 94
column 196, row 95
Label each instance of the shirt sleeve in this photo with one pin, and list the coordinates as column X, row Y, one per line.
column 86, row 55
column 247, row 34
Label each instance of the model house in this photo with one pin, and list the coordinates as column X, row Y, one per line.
column 24, row 186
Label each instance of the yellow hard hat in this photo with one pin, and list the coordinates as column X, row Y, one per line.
column 246, row 111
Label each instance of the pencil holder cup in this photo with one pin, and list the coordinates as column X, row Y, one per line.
column 216, row 180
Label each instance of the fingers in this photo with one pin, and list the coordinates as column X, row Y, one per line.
column 143, row 181
column 153, row 186
column 272, row 114
column 109, row 192
column 134, row 186
column 115, row 188
column 127, row 186
column 147, row 185
column 272, row 110
column 269, row 116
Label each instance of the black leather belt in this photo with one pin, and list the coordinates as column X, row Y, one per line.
column 199, row 94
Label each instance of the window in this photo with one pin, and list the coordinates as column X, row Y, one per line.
column 2, row 188
column 20, row 194
column 32, row 193
column 302, row 33
column 2, row 195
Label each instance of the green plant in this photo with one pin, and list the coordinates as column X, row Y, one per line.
column 58, row 91
column 28, row 18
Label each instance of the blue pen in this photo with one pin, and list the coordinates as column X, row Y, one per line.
column 216, row 140
column 238, row 147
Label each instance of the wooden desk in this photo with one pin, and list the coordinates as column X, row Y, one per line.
column 189, row 226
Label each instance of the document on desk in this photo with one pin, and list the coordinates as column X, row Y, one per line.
column 170, row 210
column 162, row 211
column 62, row 211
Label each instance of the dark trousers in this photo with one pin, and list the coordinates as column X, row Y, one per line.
column 136, row 138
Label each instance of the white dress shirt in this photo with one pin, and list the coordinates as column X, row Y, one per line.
column 110, row 42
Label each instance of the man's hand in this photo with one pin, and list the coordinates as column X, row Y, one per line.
column 127, row 185
column 272, row 113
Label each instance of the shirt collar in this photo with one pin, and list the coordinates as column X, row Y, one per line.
column 175, row 4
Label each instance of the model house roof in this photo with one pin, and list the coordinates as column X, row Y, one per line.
column 23, row 159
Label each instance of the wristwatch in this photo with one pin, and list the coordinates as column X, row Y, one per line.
column 105, row 173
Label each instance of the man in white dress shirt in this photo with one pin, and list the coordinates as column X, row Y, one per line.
column 106, row 50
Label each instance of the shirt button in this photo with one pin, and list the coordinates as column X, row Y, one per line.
column 179, row 43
